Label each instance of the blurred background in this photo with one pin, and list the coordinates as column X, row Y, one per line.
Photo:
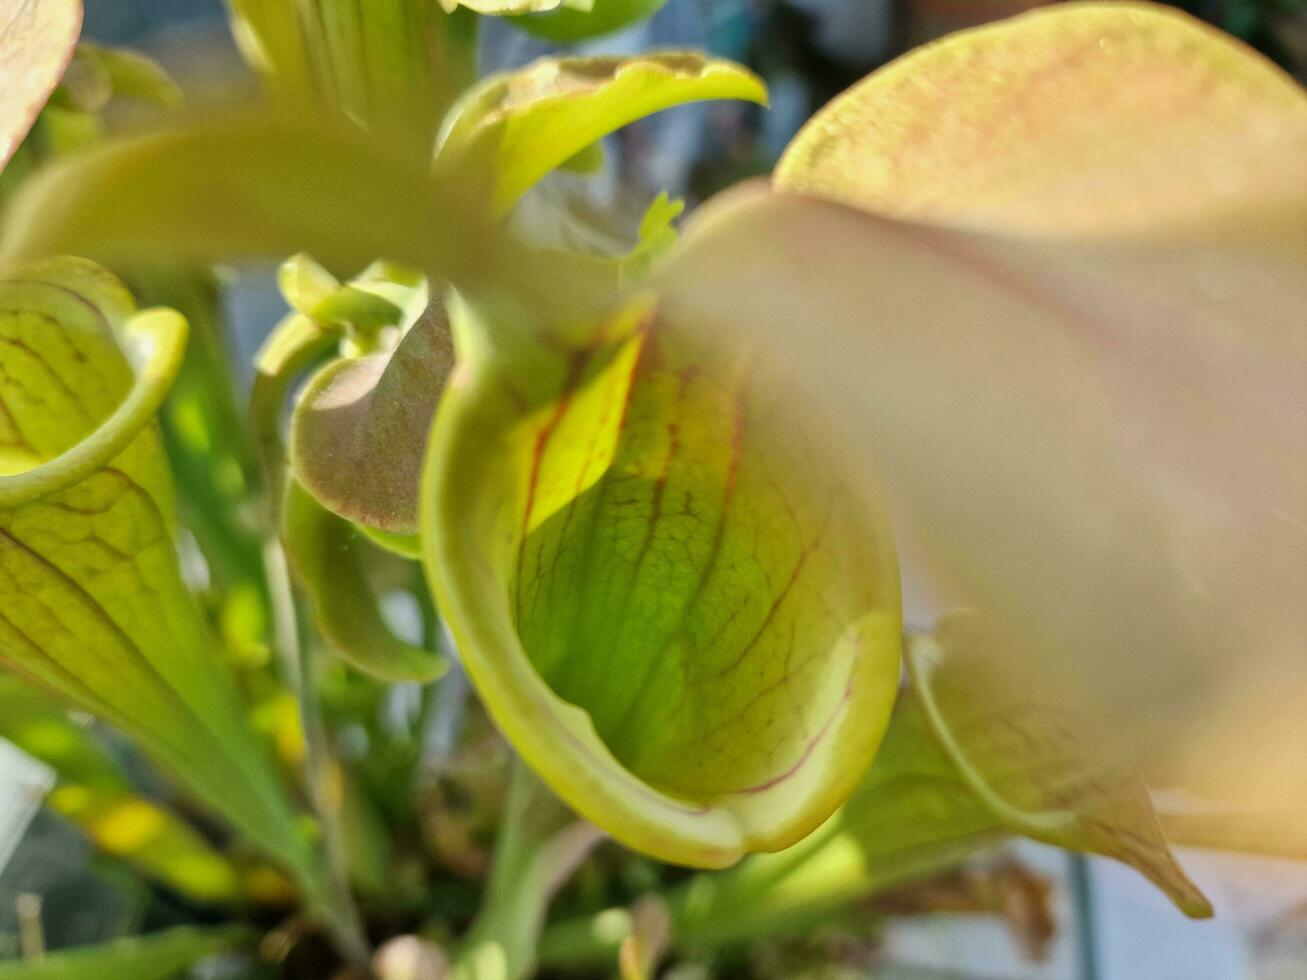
column 1110, row 925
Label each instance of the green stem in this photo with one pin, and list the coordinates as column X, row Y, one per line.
column 765, row 896
column 332, row 896
column 540, row 844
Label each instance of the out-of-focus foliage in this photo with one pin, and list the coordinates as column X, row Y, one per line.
column 154, row 957
column 93, row 793
column 1024, row 306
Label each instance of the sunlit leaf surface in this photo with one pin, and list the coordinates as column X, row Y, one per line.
column 93, row 602
column 36, row 42
column 1092, row 430
column 513, row 129
column 390, row 66
column 1085, row 118
column 666, row 595
column 1095, row 445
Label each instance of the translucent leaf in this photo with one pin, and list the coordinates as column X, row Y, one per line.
column 1096, row 445
column 515, row 128
column 564, row 24
column 1037, row 764
column 1087, row 421
column 663, row 593
column 1090, row 118
column 37, row 38
column 325, row 552
column 94, row 795
column 154, row 957
column 92, row 600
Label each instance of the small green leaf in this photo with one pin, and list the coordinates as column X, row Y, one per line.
column 565, row 25
column 93, row 602
column 94, row 795
column 324, row 551
column 155, row 957
column 37, row 38
column 659, row 587
column 360, row 426
column 515, row 128
column 1044, row 768
column 132, row 75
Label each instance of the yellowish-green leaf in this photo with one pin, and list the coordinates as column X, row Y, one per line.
column 515, row 128
column 662, row 591
column 132, row 75
column 155, row 957
column 253, row 186
column 325, row 552
column 92, row 604
column 1147, row 521
column 567, row 24
column 391, row 66
column 1083, row 118
column 1041, row 766
column 37, row 38
column 94, row 795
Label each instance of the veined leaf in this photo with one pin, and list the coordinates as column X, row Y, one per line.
column 154, row 957
column 94, row 795
column 92, row 604
column 663, row 594
column 513, row 129
column 37, row 38
column 1076, row 118
column 1042, row 767
column 324, row 550
column 1089, row 431
column 564, row 24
